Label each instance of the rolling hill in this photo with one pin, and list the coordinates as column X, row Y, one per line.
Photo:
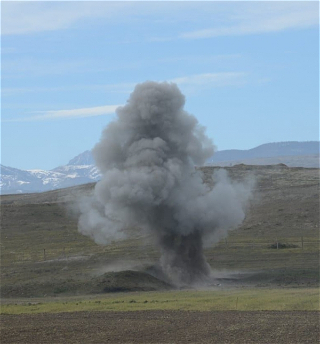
column 81, row 169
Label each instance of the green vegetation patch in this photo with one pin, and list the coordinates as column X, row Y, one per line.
column 233, row 299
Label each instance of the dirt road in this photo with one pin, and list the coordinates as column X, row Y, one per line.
column 267, row 327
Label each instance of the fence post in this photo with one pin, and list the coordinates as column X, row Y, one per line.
column 302, row 242
column 277, row 243
column 44, row 254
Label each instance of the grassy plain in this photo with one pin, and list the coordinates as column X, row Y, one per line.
column 43, row 254
column 247, row 299
column 58, row 286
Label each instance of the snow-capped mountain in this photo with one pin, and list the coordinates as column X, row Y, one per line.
column 81, row 169
column 14, row 180
column 84, row 158
column 76, row 172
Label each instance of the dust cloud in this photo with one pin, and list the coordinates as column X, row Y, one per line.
column 147, row 158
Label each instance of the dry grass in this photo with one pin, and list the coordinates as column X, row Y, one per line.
column 286, row 208
column 233, row 299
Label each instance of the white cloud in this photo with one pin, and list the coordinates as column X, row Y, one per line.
column 19, row 17
column 212, row 79
column 254, row 18
column 19, row 67
column 196, row 80
column 229, row 18
column 193, row 84
column 68, row 114
column 107, row 88
column 36, row 16
column 189, row 84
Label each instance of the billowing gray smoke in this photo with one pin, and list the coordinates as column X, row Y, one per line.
column 147, row 158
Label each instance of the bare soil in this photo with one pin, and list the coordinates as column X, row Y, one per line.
column 162, row 327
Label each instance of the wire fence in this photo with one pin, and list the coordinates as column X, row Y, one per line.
column 275, row 244
column 32, row 254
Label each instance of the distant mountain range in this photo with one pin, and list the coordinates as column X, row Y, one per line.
column 291, row 153
column 81, row 169
column 292, row 148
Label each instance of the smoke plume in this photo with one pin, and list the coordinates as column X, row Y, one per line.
column 147, row 158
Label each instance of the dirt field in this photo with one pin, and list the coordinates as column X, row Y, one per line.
column 162, row 327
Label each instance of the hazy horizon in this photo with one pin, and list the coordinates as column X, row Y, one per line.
column 66, row 162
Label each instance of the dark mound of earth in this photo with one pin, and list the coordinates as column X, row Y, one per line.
column 110, row 282
column 128, row 280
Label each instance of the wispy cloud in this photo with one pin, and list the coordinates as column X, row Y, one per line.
column 211, row 79
column 196, row 80
column 31, row 17
column 40, row 67
column 254, row 18
column 230, row 18
column 189, row 84
column 193, row 84
column 68, row 114
column 200, row 58
column 27, row 17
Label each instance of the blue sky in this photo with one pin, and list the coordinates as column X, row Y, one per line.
column 249, row 71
